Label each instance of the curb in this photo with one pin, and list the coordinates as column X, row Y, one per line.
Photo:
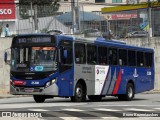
column 12, row 96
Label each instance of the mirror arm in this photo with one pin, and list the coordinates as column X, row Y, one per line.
column 59, row 55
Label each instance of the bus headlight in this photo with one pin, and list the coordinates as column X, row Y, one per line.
column 50, row 83
column 53, row 81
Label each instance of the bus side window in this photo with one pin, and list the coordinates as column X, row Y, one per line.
column 66, row 53
column 131, row 58
column 140, row 59
column 113, row 56
column 80, row 53
column 102, row 55
column 148, row 59
column 122, row 57
column 91, row 54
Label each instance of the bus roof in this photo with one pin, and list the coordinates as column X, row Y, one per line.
column 112, row 43
column 98, row 41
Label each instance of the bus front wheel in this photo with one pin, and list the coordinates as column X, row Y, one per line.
column 80, row 93
column 39, row 98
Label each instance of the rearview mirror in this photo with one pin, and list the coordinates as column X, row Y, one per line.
column 7, row 58
column 65, row 54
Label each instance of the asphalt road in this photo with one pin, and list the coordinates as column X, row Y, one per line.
column 109, row 108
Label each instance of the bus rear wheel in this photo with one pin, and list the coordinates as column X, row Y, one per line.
column 80, row 93
column 129, row 93
column 39, row 98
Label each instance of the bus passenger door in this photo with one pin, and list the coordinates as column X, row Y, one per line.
column 65, row 78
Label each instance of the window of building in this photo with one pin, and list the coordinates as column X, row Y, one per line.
column 91, row 54
column 80, row 53
column 122, row 57
column 99, row 1
column 116, row 1
column 112, row 56
column 131, row 58
column 102, row 55
column 148, row 59
column 140, row 59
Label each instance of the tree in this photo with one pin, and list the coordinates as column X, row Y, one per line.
column 44, row 7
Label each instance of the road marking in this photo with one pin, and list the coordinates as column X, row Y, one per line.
column 104, row 109
column 157, row 108
column 135, row 109
column 72, row 110
column 38, row 110
column 70, row 118
column 123, row 105
column 110, row 118
column 37, row 105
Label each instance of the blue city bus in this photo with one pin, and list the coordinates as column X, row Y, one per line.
column 48, row 66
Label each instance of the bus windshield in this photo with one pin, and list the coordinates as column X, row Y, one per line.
column 33, row 59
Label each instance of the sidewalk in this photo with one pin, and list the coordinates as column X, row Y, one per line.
column 2, row 96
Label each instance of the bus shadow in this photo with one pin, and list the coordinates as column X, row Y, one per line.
column 67, row 100
column 88, row 101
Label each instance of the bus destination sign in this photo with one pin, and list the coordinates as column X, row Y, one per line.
column 38, row 39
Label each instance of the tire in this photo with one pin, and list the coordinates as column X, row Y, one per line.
column 95, row 97
column 129, row 93
column 39, row 98
column 79, row 94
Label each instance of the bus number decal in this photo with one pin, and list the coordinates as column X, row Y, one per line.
column 149, row 73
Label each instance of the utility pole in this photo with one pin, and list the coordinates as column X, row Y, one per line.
column 36, row 18
column 75, row 16
column 32, row 15
column 150, row 17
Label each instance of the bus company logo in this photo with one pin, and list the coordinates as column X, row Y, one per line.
column 135, row 73
column 97, row 71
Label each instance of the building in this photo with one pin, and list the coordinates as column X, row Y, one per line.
column 7, row 16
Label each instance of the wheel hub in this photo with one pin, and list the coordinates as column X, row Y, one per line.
column 79, row 92
column 130, row 92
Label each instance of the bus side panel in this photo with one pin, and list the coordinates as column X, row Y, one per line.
column 142, row 78
column 127, row 74
column 66, row 82
column 110, row 81
column 86, row 73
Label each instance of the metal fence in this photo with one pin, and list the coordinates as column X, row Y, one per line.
column 135, row 23
column 61, row 19
column 26, row 17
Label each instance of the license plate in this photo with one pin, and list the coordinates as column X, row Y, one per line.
column 29, row 90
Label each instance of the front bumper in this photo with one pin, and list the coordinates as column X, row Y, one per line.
column 51, row 90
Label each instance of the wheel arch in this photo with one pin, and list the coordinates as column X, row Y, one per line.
column 132, row 82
